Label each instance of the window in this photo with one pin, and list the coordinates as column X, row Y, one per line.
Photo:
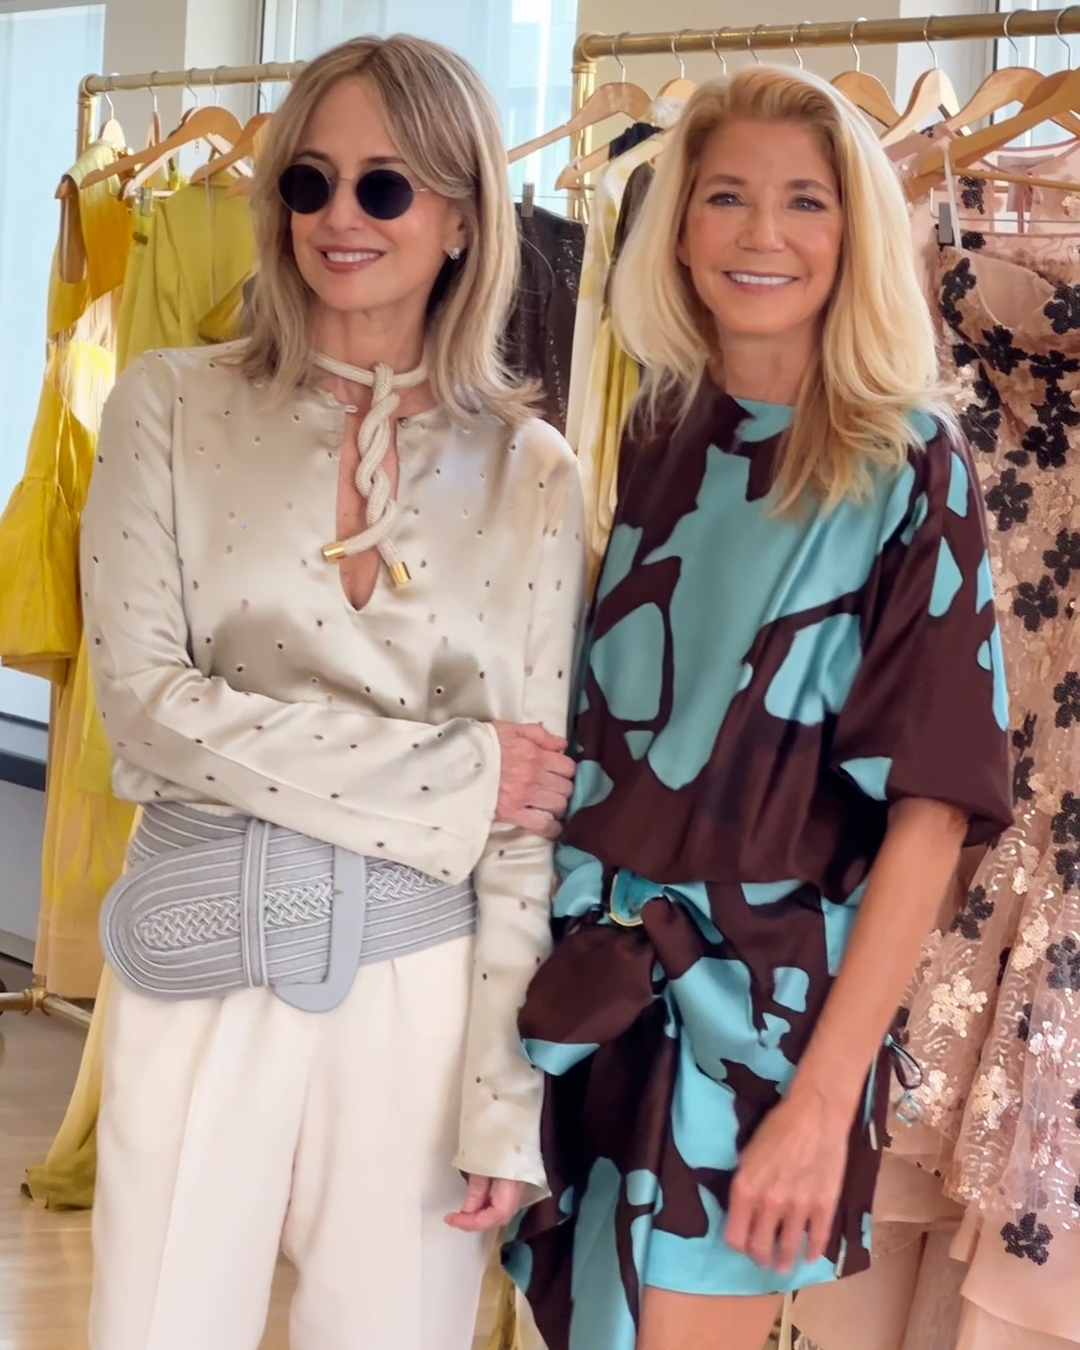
column 44, row 53
column 522, row 48
column 1045, row 54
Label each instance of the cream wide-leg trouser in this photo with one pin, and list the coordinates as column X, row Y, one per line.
column 232, row 1128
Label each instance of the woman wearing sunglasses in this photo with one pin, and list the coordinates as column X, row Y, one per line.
column 333, row 576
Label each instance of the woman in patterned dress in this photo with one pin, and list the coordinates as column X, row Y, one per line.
column 792, row 716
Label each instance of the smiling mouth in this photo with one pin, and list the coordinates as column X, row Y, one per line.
column 349, row 257
column 758, row 278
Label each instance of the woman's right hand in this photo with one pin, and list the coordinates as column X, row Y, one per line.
column 536, row 779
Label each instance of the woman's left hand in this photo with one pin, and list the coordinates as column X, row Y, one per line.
column 490, row 1202
column 788, row 1181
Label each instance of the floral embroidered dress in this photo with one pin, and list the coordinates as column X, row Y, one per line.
column 994, row 1014
column 756, row 690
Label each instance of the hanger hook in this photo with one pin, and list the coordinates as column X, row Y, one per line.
column 214, row 86
column 851, row 38
column 615, row 53
column 716, row 51
column 1058, row 33
column 926, row 38
column 675, row 54
column 798, row 54
column 1008, row 36
column 153, row 93
column 757, row 29
column 190, row 87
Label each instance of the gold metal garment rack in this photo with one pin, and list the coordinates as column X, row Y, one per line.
column 93, row 86
column 591, row 47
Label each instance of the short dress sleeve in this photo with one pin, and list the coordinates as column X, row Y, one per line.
column 928, row 715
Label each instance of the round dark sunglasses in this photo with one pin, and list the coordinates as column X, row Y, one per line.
column 382, row 194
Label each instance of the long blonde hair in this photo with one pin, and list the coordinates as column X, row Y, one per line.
column 876, row 363
column 446, row 127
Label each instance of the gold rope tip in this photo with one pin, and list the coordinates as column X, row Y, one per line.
column 400, row 575
column 333, row 552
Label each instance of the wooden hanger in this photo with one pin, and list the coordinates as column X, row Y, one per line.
column 930, row 168
column 1011, row 84
column 619, row 96
column 573, row 176
column 243, row 149
column 214, row 124
column 866, row 91
column 933, row 93
column 868, row 94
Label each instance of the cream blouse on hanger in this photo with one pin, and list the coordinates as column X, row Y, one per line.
column 232, row 671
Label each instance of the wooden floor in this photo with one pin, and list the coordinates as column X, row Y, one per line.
column 45, row 1258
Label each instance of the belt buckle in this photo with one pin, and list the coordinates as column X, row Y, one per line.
column 618, row 919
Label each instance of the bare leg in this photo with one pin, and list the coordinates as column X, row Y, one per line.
column 703, row 1322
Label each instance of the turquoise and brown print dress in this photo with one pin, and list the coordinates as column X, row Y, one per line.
column 757, row 689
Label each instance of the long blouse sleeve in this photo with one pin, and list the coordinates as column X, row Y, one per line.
column 500, row 1119
column 418, row 793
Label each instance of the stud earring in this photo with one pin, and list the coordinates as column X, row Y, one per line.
column 453, row 253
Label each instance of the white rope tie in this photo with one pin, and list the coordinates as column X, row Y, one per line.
column 372, row 480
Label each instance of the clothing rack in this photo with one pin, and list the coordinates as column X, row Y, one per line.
column 592, row 47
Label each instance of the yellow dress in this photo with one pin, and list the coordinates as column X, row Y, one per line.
column 40, row 621
column 189, row 259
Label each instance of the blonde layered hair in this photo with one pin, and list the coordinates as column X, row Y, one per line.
column 446, row 127
column 876, row 362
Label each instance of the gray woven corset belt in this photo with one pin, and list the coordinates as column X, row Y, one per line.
column 211, row 904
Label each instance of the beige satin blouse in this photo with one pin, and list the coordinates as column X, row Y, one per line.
column 232, row 671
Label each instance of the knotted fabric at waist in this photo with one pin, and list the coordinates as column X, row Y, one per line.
column 211, row 904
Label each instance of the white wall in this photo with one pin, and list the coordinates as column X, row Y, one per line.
column 22, row 820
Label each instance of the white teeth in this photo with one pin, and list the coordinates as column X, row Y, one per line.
column 350, row 257
column 749, row 279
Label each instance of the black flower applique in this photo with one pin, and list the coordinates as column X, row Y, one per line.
column 1064, row 956
column 984, row 389
column 980, row 426
column 1052, row 366
column 1021, row 783
column 1023, row 738
column 1066, row 824
column 999, row 351
column 971, row 194
column 1009, row 500
column 1075, row 1104
column 1064, row 558
column 1057, row 406
column 964, row 354
column 1067, row 866
column 972, row 240
column 1035, row 604
column 1023, row 1029
column 1049, row 444
column 977, row 909
column 1067, row 697
column 1063, row 309
column 1029, row 1239
column 955, row 284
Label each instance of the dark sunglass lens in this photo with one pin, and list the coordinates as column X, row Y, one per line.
column 384, row 194
column 304, row 189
